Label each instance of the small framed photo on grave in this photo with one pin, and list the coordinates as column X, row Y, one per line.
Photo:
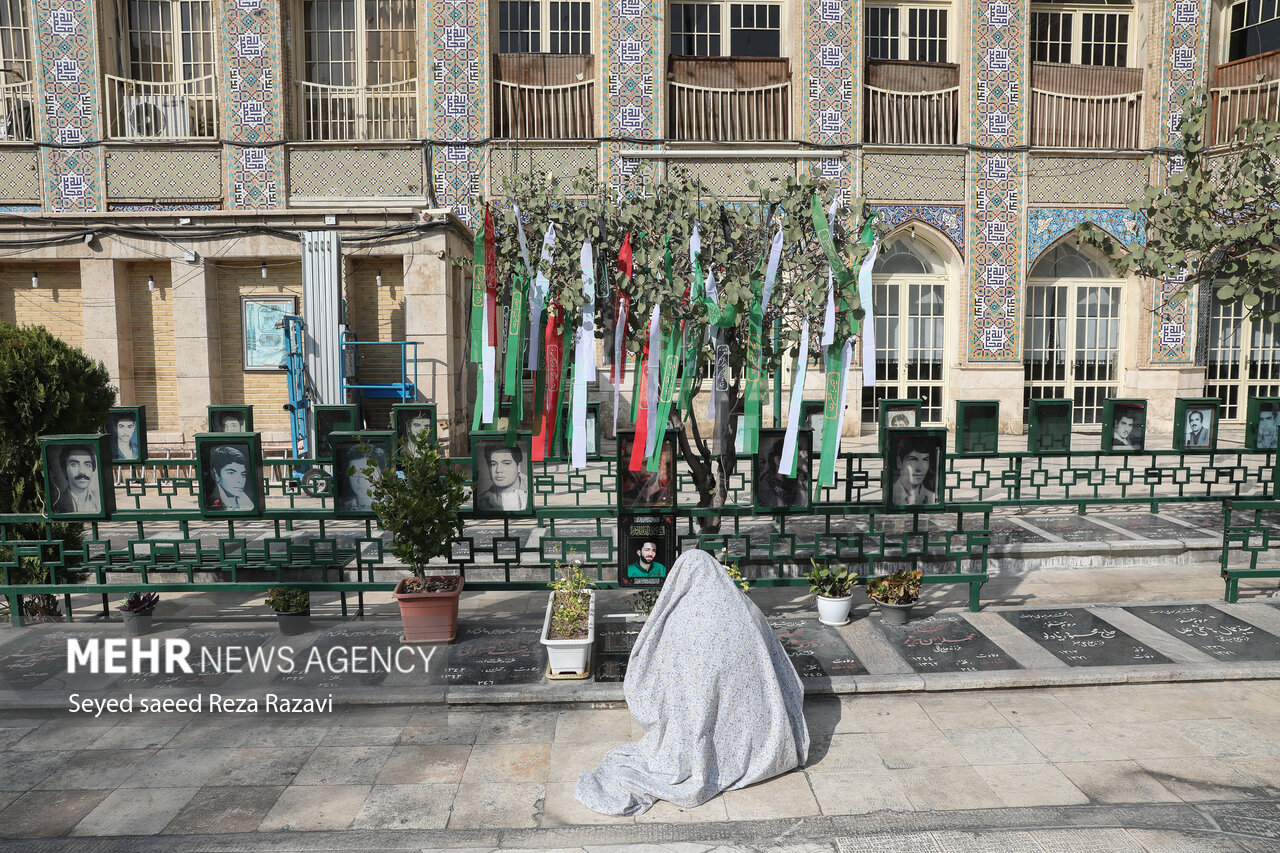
column 231, row 419
column 593, row 432
column 359, row 458
column 1049, row 426
column 1262, row 423
column 977, row 427
column 501, row 475
column 646, row 548
column 1195, row 423
column 1124, row 426
column 898, row 414
column 773, row 490
column 412, row 423
column 127, row 433
column 75, row 484
column 812, row 415
column 230, row 465
column 643, row 489
column 328, row 420
column 915, row 468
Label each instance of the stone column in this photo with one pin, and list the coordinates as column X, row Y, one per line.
column 630, row 86
column 68, row 103
column 108, row 334
column 458, row 50
column 435, row 299
column 197, row 347
column 253, row 104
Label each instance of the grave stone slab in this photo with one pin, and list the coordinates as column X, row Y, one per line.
column 1079, row 638
column 946, row 643
column 1074, row 528
column 507, row 651
column 1211, row 631
column 38, row 660
column 1007, row 533
column 614, row 641
column 1148, row 526
column 217, row 655
column 370, row 654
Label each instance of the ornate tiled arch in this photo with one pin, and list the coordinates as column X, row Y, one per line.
column 949, row 219
column 1046, row 224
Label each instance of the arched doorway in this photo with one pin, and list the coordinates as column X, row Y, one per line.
column 909, row 282
column 1072, row 342
column 1242, row 357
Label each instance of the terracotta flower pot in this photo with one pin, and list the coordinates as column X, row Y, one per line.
column 429, row 617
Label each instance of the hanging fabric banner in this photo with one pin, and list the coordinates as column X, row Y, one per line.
column 692, row 341
column 524, row 247
column 822, row 225
column 491, row 277
column 666, row 394
column 771, row 274
column 622, row 309
column 553, row 336
column 538, row 298
column 477, row 298
column 584, row 360
column 515, row 333
column 586, row 260
column 755, row 334
column 641, row 440
column 865, row 292
column 487, row 367
column 846, row 358
column 830, row 417
column 787, row 465
column 713, row 336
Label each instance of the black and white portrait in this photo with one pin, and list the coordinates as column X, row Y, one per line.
column 645, row 488
column 228, row 420
column 127, row 434
column 915, row 460
column 1265, row 433
column 230, row 473
column 1128, row 426
column 1198, row 429
column 502, row 476
column 414, row 426
column 358, row 463
column 773, row 488
column 328, row 420
column 75, row 480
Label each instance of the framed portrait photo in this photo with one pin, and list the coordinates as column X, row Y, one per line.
column 327, row 420
column 898, row 414
column 231, row 419
column 773, row 490
column 262, row 328
column 413, row 423
column 914, row 468
column 593, row 432
column 1049, row 426
column 230, row 466
column 646, row 548
column 501, row 475
column 1260, row 429
column 127, row 433
column 977, row 427
column 811, row 416
column 76, row 486
column 645, row 489
column 1124, row 426
column 359, row 458
column 1195, row 423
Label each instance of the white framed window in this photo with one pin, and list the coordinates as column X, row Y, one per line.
column 15, row 41
column 169, row 41
column 726, row 29
column 914, row 33
column 1082, row 35
column 359, row 69
column 544, row 26
column 1253, row 27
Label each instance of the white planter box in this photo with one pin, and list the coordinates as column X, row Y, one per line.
column 567, row 657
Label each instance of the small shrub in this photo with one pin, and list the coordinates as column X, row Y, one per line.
column 287, row 599
column 419, row 506
column 828, row 582
column 139, row 601
column 572, row 603
column 900, row 587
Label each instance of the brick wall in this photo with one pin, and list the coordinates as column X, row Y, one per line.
column 155, row 376
column 55, row 304
column 376, row 313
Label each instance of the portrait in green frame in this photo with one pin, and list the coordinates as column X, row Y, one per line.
column 230, row 466
column 915, row 468
column 1195, row 424
column 977, row 427
column 327, row 421
column 898, row 414
column 413, row 422
column 1124, row 426
column 1049, row 426
column 127, row 433
column 1262, row 424
column 359, row 458
column 231, row 419
column 647, row 546
column 501, row 475
column 773, row 491
column 812, row 416
column 593, row 432
column 645, row 489
column 75, row 479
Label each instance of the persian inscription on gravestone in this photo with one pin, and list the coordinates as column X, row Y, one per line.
column 1211, row 631
column 946, row 643
column 815, row 649
column 1079, row 638
column 343, row 655
column 614, row 641
column 40, row 656
column 1075, row 529
column 506, row 653
column 217, row 655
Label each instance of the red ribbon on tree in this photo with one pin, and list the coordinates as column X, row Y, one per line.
column 553, row 350
column 622, row 307
column 491, row 275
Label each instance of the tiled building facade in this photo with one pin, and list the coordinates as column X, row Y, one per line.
column 984, row 132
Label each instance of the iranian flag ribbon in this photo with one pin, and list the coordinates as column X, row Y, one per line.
column 622, row 309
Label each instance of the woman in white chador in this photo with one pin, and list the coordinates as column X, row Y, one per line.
column 720, row 702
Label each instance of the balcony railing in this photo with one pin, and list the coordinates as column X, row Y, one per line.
column 912, row 103
column 359, row 113
column 17, row 112
column 1246, row 88
column 1085, row 106
column 544, row 96
column 137, row 109
column 729, row 99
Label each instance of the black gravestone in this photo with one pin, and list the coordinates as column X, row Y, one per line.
column 1211, row 631
column 40, row 659
column 1074, row 528
column 502, row 652
column 350, row 656
column 1149, row 526
column 946, row 643
column 614, row 640
column 215, row 653
column 1078, row 638
column 816, row 650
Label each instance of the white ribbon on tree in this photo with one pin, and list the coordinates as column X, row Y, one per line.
column 488, row 358
column 584, row 359
column 846, row 358
column 538, row 297
column 713, row 335
column 771, row 274
column 865, row 291
column 787, row 465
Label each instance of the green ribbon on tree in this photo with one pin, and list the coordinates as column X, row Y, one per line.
column 820, row 225
column 666, row 392
column 830, row 416
column 515, row 331
column 477, row 300
column 755, row 343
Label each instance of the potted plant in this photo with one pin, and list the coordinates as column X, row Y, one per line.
column 138, row 609
column 419, row 506
column 834, row 590
column 895, row 593
column 569, row 628
column 292, row 607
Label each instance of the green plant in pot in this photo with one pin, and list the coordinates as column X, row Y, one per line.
column 834, row 590
column 292, row 607
column 895, row 592
column 419, row 505
column 569, row 629
column 137, row 611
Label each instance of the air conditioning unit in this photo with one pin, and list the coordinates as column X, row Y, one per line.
column 157, row 116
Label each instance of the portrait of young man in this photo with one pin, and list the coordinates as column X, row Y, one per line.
column 645, row 564
column 915, row 471
column 122, row 428
column 1199, row 427
column 645, row 488
column 1267, row 427
column 355, row 479
column 230, row 471
column 416, row 425
column 1128, row 428
column 502, row 478
column 79, row 492
column 772, row 488
column 230, row 422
